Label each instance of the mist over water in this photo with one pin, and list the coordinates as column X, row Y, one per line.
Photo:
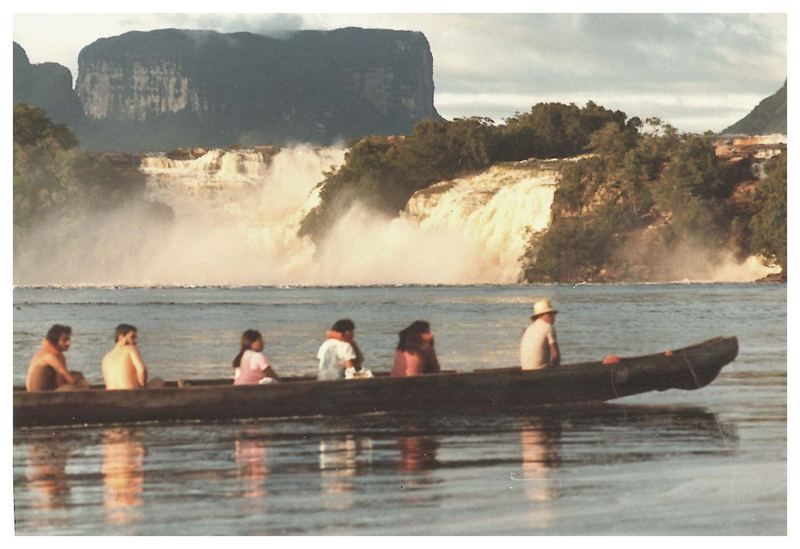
column 237, row 214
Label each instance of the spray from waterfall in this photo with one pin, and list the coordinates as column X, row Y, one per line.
column 237, row 214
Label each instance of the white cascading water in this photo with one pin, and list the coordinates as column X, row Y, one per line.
column 237, row 214
column 493, row 210
column 237, row 218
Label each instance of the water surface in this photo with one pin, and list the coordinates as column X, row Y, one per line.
column 679, row 462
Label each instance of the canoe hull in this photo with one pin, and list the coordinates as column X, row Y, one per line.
column 689, row 368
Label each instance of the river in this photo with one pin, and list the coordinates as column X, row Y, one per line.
column 711, row 461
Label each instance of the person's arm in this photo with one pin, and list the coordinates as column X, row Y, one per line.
column 555, row 356
column 59, row 364
column 265, row 367
column 347, row 355
column 138, row 363
column 359, row 360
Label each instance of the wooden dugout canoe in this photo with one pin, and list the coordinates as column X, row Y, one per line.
column 490, row 390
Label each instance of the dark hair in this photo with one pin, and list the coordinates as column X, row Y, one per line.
column 122, row 330
column 55, row 332
column 343, row 325
column 411, row 336
column 248, row 338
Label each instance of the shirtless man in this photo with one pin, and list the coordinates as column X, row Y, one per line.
column 47, row 370
column 123, row 367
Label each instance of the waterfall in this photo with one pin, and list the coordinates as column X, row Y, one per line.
column 237, row 213
column 493, row 210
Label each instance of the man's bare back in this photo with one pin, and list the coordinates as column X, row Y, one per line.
column 123, row 368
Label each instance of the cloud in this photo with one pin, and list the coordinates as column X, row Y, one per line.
column 276, row 24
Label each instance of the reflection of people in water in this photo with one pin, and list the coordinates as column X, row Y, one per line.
column 540, row 441
column 417, row 453
column 339, row 461
column 251, row 462
column 123, row 474
column 46, row 474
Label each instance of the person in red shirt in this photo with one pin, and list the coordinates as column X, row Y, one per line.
column 415, row 354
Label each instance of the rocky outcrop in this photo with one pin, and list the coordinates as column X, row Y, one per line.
column 768, row 117
column 178, row 88
column 47, row 86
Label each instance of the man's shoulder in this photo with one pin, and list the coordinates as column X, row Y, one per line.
column 44, row 357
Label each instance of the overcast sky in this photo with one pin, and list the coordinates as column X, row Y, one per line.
column 695, row 71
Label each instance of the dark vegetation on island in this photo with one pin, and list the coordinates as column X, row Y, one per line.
column 60, row 190
column 623, row 212
column 640, row 193
column 383, row 173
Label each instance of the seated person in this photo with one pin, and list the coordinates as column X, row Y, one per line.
column 339, row 356
column 47, row 370
column 415, row 354
column 538, row 348
column 250, row 366
column 123, row 367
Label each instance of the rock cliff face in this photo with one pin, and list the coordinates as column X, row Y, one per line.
column 171, row 88
column 768, row 117
column 47, row 86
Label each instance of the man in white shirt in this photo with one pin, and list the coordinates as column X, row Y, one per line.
column 539, row 346
column 337, row 353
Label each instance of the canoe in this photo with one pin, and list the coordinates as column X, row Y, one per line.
column 490, row 389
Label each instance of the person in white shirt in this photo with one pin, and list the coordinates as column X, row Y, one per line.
column 339, row 352
column 539, row 346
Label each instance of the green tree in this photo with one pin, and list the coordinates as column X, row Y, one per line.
column 768, row 225
column 59, row 186
column 32, row 126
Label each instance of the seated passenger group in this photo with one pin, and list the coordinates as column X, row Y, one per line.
column 339, row 355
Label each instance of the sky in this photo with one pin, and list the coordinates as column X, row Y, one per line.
column 695, row 71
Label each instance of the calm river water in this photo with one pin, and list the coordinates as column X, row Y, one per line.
column 711, row 461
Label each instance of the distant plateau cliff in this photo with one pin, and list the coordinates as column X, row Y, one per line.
column 178, row 88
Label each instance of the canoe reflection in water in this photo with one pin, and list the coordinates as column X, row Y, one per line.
column 123, row 474
column 251, row 455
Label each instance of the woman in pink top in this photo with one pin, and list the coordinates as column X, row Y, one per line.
column 415, row 354
column 251, row 367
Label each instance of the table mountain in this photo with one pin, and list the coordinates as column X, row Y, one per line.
column 47, row 86
column 170, row 88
